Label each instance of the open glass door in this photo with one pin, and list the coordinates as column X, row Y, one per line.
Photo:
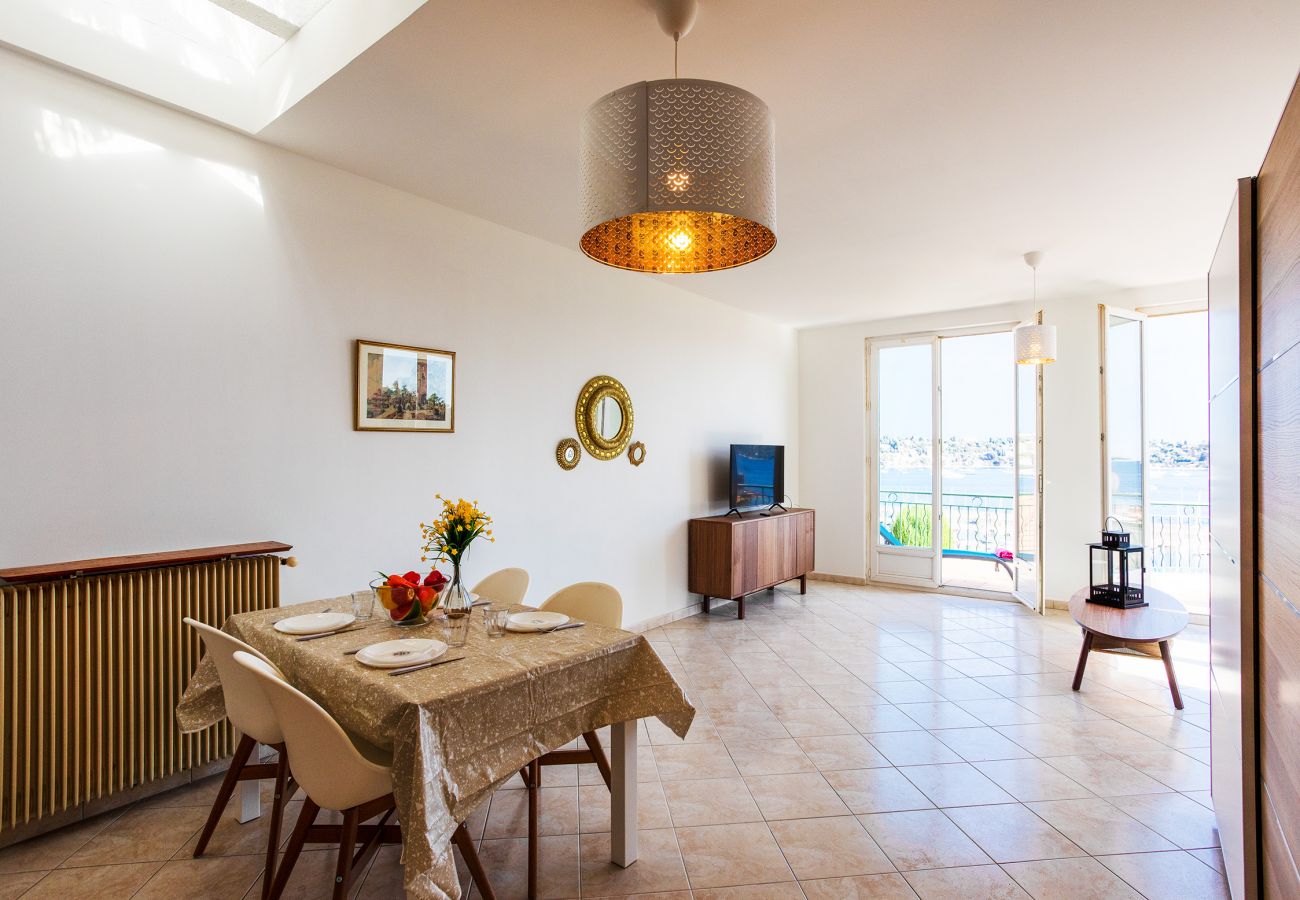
column 1123, row 419
column 903, row 536
column 1029, row 485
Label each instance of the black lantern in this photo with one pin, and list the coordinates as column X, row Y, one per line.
column 1117, row 573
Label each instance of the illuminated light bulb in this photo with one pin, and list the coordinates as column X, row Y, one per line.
column 678, row 181
column 680, row 240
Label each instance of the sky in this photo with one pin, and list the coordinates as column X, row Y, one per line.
column 978, row 377
column 399, row 366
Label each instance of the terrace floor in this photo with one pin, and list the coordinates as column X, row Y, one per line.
column 856, row 742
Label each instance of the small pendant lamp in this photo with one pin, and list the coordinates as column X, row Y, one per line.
column 678, row 175
column 1035, row 343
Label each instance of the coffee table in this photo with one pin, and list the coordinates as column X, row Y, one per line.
column 1144, row 631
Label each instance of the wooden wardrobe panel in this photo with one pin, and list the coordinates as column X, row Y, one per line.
column 1279, row 236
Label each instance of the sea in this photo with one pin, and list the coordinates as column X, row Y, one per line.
column 1169, row 485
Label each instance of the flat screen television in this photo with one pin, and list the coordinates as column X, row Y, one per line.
column 757, row 475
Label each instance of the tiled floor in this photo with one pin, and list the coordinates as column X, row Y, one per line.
column 852, row 743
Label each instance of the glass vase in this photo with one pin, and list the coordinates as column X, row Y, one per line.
column 456, row 601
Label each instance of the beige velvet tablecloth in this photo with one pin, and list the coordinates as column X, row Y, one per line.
column 457, row 731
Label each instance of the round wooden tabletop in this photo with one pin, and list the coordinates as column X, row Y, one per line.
column 1163, row 618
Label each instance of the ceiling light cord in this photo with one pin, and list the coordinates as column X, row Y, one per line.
column 677, row 36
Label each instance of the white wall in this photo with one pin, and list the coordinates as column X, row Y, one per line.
column 177, row 310
column 833, row 427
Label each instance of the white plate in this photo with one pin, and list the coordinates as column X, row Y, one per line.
column 535, row 621
column 315, row 623
column 403, row 652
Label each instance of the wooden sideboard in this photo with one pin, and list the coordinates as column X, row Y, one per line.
column 732, row 557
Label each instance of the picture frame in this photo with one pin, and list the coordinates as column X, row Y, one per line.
column 397, row 387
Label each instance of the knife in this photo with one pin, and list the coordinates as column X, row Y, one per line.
column 564, row 626
column 428, row 665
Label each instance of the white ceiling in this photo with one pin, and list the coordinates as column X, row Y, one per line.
column 922, row 145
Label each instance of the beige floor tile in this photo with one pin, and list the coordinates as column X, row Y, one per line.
column 1082, row 878
column 94, row 882
column 877, row 790
column 384, row 878
column 218, row 878
column 594, row 809
column 682, row 761
column 940, row 714
column 701, row 731
column 980, row 744
column 814, row 722
column 923, row 839
column 955, row 784
column 829, row 848
column 1175, row 817
column 968, row 883
column 723, row 855
column 557, row 812
column 783, row 890
column 658, row 867
column 1032, row 779
column 710, row 801
column 804, row 796
column 14, row 884
column 1168, row 876
column 1098, row 827
column 141, row 835
column 913, row 748
column 877, row 719
column 49, row 850
column 1171, row 768
column 772, row 757
column 1105, row 775
column 1212, row 857
column 1011, row 833
column 999, row 712
column 842, row 751
column 859, row 887
column 506, row 864
column 233, row 838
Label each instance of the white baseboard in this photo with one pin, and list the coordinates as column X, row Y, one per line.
column 664, row 619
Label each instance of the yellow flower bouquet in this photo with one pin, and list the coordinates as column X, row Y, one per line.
column 448, row 537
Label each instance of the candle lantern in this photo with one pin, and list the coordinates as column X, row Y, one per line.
column 1117, row 570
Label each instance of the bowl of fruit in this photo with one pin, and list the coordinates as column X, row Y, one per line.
column 408, row 599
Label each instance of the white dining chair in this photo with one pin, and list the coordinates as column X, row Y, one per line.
column 507, row 586
column 588, row 601
column 256, row 723
column 341, row 772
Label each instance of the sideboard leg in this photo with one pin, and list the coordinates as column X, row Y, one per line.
column 1168, row 657
column 706, row 604
column 803, row 584
column 740, row 608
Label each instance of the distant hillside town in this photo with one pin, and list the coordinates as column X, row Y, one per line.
column 974, row 453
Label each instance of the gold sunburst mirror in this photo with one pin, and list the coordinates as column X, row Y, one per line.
column 603, row 415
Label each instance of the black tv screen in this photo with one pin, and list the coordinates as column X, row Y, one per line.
column 757, row 475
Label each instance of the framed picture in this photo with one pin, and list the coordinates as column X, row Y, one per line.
column 400, row 388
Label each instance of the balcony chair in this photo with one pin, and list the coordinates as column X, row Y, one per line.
column 1004, row 564
column 343, row 773
column 256, row 723
column 589, row 601
column 505, row 586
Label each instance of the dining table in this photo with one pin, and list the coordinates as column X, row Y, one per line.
column 459, row 731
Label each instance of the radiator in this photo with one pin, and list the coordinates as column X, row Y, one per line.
column 91, row 670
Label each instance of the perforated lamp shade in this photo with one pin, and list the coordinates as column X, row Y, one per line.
column 678, row 176
column 1035, row 344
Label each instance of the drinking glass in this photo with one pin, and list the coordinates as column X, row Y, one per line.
column 363, row 604
column 455, row 631
column 496, row 621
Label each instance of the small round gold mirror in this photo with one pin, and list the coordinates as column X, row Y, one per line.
column 567, row 454
column 603, row 415
column 636, row 453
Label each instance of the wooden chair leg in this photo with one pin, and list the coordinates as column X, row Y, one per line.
column 292, row 852
column 598, row 756
column 227, row 789
column 277, row 816
column 347, row 841
column 1083, row 660
column 534, row 798
column 465, row 844
column 1167, row 655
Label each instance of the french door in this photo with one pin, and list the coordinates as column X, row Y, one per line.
column 955, row 474
column 1123, row 419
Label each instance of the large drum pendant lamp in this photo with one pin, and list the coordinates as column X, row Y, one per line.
column 678, row 175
